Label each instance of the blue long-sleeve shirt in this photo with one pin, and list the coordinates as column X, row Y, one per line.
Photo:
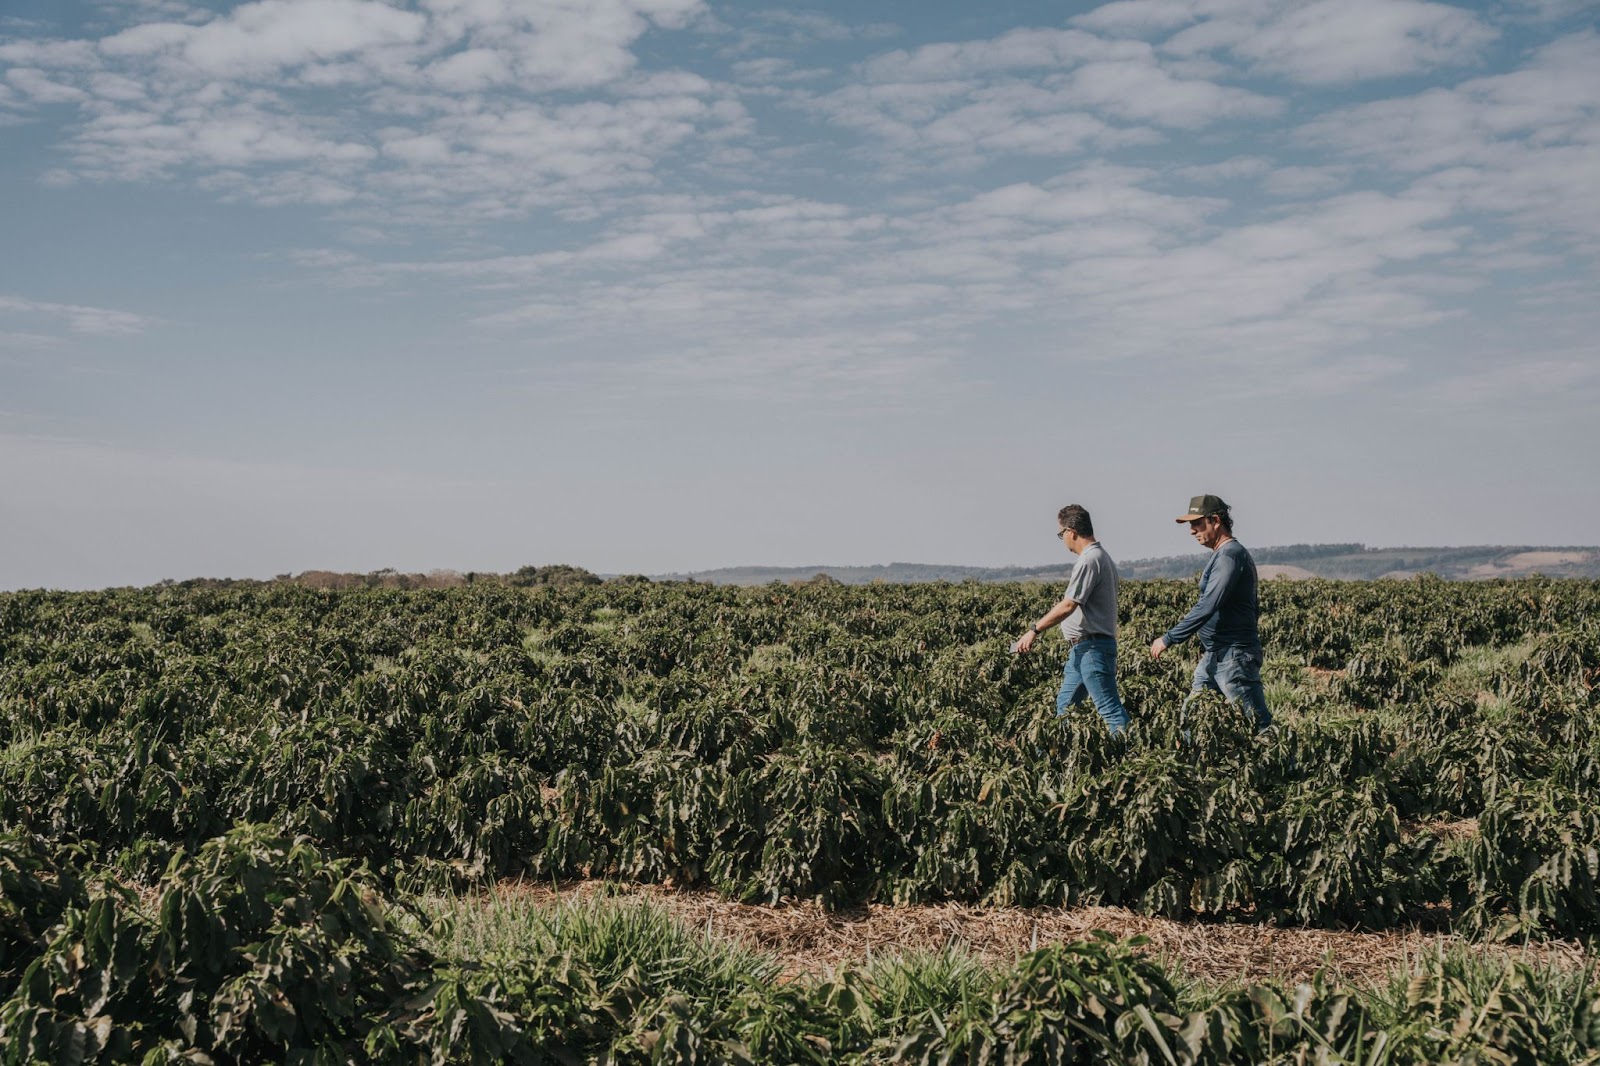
column 1227, row 611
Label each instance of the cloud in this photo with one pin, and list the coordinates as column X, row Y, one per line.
column 1524, row 144
column 1300, row 182
column 1140, row 18
column 1141, row 91
column 1093, row 194
column 674, row 233
column 774, row 30
column 1243, row 166
column 795, row 26
column 1013, row 52
column 1554, row 97
column 1281, row 294
column 1549, row 10
column 1318, row 42
column 41, row 89
column 761, row 298
column 1517, row 379
column 1040, row 92
column 472, row 70
column 242, row 102
column 258, row 39
column 151, row 10
column 771, row 70
column 94, row 321
column 862, row 368
column 566, row 44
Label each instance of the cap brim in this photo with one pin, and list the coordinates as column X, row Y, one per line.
column 1189, row 517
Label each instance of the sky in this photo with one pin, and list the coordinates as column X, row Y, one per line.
column 663, row 285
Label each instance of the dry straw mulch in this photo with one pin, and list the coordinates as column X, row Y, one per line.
column 812, row 941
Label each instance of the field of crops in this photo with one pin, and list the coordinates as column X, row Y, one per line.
column 227, row 816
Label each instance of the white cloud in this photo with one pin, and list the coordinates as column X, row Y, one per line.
column 134, row 144
column 1013, row 52
column 564, row 44
column 775, row 71
column 1140, row 91
column 153, row 10
column 260, row 38
column 1243, row 166
column 1094, row 254
column 799, row 25
column 1517, row 379
column 1550, row 10
column 1094, row 194
column 439, row 106
column 1554, row 97
column 1301, row 182
column 1524, row 144
column 1127, row 257
column 41, row 89
column 67, row 55
column 1284, row 293
column 757, row 30
column 1333, row 41
column 96, row 321
column 1312, row 41
column 1139, row 18
column 1034, row 92
column 471, row 70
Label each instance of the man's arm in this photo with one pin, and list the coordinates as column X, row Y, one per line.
column 1054, row 616
column 1223, row 571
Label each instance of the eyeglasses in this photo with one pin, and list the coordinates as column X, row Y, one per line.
column 1061, row 534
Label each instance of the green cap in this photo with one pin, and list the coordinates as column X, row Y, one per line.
column 1203, row 507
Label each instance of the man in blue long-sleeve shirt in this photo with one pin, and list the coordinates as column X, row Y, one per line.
column 1225, row 618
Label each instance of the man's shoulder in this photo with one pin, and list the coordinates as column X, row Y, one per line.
column 1098, row 554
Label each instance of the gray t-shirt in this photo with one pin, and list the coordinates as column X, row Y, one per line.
column 1094, row 588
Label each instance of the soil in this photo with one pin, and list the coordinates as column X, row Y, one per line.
column 811, row 941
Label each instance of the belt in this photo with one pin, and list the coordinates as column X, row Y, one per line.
column 1090, row 636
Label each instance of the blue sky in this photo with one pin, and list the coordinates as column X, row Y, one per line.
column 651, row 285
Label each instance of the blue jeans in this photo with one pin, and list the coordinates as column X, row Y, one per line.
column 1092, row 670
column 1235, row 671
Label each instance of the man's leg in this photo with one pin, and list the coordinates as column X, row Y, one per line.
column 1239, row 678
column 1099, row 670
column 1205, row 677
column 1072, row 690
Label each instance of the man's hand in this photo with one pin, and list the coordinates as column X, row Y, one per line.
column 1026, row 642
column 1158, row 646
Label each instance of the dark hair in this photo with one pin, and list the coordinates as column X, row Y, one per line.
column 1226, row 514
column 1075, row 518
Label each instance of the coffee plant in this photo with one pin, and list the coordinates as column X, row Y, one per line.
column 213, row 800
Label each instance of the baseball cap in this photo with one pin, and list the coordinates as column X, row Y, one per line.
column 1203, row 507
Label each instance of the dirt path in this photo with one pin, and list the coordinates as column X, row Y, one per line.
column 812, row 941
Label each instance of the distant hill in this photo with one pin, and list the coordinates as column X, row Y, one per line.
column 1340, row 561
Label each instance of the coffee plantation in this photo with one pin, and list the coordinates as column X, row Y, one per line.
column 219, row 804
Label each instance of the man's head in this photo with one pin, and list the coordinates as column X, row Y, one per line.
column 1077, row 529
column 1210, row 520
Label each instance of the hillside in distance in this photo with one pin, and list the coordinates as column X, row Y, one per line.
column 1348, row 562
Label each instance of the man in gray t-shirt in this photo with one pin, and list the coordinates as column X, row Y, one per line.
column 1088, row 618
